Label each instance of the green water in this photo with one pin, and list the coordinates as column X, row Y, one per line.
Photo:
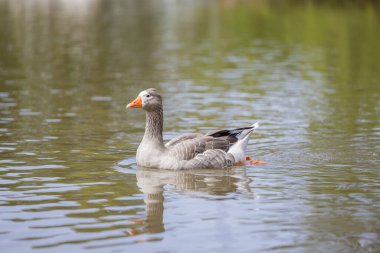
column 307, row 71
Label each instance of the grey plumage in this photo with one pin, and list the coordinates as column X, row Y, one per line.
column 218, row 149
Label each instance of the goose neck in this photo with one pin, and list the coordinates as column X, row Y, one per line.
column 154, row 126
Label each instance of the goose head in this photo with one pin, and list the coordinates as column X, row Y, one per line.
column 149, row 100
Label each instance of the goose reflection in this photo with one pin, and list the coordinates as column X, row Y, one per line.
column 198, row 183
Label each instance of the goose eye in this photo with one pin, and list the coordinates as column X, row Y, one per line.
column 147, row 95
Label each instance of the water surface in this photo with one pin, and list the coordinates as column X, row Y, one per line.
column 308, row 72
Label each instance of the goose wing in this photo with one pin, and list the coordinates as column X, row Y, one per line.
column 187, row 149
column 182, row 138
column 212, row 158
column 188, row 146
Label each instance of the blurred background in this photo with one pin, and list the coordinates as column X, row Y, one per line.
column 308, row 71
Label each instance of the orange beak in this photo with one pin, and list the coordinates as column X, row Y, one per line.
column 137, row 103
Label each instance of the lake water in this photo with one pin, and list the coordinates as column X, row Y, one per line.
column 307, row 71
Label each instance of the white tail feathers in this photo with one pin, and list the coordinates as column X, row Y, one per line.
column 239, row 148
column 248, row 131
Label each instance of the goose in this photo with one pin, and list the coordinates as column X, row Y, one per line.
column 218, row 149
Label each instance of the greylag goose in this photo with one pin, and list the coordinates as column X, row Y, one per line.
column 219, row 149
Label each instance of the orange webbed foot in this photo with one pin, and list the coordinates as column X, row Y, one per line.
column 256, row 162
column 249, row 161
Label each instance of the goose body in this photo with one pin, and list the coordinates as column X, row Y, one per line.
column 219, row 149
